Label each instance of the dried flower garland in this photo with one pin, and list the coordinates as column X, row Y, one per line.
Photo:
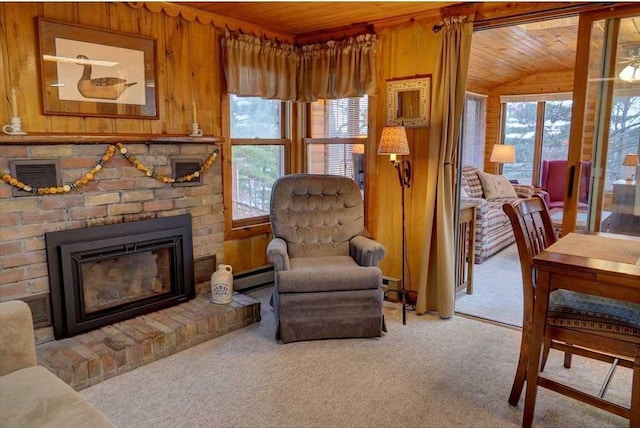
column 89, row 176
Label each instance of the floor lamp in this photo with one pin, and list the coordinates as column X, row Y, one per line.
column 394, row 142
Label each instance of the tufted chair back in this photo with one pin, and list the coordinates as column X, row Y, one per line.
column 317, row 215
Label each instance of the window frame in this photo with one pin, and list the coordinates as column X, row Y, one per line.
column 541, row 101
column 481, row 118
column 331, row 140
column 366, row 159
column 327, row 141
column 247, row 227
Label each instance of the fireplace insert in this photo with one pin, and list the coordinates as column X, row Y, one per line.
column 104, row 274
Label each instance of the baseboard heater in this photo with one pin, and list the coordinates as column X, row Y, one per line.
column 253, row 278
column 390, row 285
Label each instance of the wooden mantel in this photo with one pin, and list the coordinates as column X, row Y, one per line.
column 42, row 138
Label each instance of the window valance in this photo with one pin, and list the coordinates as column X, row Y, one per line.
column 259, row 68
column 269, row 69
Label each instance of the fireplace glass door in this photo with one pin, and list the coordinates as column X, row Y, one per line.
column 120, row 280
column 105, row 274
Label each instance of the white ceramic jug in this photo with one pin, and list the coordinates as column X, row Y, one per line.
column 222, row 285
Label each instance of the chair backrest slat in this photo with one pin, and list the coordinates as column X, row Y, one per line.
column 533, row 231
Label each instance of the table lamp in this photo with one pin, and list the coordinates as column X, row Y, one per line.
column 502, row 153
column 631, row 161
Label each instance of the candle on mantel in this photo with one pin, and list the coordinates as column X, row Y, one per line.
column 195, row 112
column 14, row 103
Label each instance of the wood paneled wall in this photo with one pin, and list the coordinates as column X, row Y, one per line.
column 402, row 52
column 187, row 64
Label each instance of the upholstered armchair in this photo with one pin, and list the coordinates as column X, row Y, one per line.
column 327, row 280
column 553, row 180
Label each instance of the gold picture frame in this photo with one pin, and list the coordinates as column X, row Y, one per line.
column 88, row 71
column 409, row 101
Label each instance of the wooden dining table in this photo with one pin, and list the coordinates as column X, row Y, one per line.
column 602, row 264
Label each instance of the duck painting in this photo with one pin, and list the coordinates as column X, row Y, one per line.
column 106, row 88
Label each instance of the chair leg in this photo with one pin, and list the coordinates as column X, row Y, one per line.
column 545, row 353
column 521, row 373
column 634, row 418
column 567, row 359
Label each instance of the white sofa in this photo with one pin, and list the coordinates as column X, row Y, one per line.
column 30, row 395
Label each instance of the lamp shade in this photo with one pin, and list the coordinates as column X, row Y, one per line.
column 393, row 141
column 503, row 153
column 631, row 160
column 358, row 148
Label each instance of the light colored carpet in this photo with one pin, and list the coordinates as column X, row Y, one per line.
column 431, row 372
column 497, row 289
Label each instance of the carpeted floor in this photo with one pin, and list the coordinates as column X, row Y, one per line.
column 497, row 289
column 431, row 372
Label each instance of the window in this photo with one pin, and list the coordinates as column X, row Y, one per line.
column 473, row 130
column 538, row 126
column 259, row 155
column 557, row 124
column 338, row 130
column 624, row 135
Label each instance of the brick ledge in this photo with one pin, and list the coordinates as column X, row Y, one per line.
column 90, row 358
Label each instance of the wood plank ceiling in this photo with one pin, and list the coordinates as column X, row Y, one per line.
column 498, row 56
column 302, row 18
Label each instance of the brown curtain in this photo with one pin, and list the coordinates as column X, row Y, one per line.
column 338, row 69
column 268, row 69
column 436, row 284
column 259, row 68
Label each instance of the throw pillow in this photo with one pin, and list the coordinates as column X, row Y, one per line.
column 496, row 186
column 463, row 193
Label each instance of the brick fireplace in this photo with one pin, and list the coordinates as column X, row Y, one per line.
column 119, row 193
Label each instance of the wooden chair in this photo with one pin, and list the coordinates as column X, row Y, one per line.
column 600, row 337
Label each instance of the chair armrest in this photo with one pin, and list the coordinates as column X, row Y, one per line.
column 277, row 254
column 365, row 251
column 17, row 343
column 523, row 190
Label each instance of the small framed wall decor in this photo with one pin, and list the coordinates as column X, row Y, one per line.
column 88, row 71
column 409, row 101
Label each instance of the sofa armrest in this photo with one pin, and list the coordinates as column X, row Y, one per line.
column 523, row 190
column 17, row 343
column 366, row 251
column 544, row 195
column 480, row 203
column 278, row 255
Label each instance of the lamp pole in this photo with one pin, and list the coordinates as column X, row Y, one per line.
column 404, row 176
column 393, row 142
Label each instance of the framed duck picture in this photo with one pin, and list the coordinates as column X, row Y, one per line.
column 88, row 71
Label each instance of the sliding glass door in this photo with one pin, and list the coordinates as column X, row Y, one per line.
column 605, row 131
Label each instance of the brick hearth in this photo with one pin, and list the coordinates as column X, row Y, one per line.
column 90, row 358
